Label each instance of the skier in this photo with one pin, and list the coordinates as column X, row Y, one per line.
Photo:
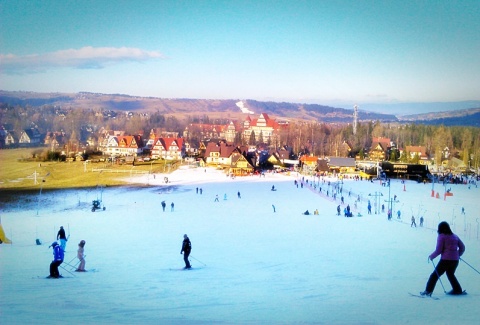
column 238, row 195
column 58, row 256
column 450, row 247
column 273, row 208
column 338, row 210
column 216, row 198
column 413, row 222
column 81, row 257
column 63, row 239
column 421, row 221
column 163, row 205
column 171, row 207
column 186, row 249
column 369, row 208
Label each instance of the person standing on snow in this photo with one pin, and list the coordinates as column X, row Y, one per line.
column 57, row 260
column 63, row 239
column 81, row 256
column 450, row 247
column 186, row 249
column 413, row 222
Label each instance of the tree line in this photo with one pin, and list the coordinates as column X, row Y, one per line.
column 304, row 137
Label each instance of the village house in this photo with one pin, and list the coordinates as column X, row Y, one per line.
column 417, row 151
column 379, row 148
column 239, row 165
column 30, row 137
column 219, row 154
column 55, row 140
column 168, row 148
column 127, row 145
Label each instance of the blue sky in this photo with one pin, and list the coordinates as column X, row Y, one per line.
column 326, row 52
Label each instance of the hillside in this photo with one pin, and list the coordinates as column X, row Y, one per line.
column 231, row 107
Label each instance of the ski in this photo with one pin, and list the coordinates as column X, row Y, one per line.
column 51, row 278
column 420, row 296
column 464, row 292
column 184, row 269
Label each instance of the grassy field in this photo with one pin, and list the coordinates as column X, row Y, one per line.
column 18, row 172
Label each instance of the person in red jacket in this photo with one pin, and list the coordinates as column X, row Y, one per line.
column 450, row 247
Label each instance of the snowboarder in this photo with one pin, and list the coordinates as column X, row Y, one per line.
column 421, row 221
column 451, row 248
column 399, row 214
column 413, row 222
column 186, row 249
column 171, row 207
column 81, row 257
column 238, row 195
column 58, row 256
column 273, row 188
column 164, row 205
column 63, row 239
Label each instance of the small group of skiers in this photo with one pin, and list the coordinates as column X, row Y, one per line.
column 59, row 254
column 164, row 205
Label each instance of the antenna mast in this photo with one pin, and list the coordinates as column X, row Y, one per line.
column 355, row 119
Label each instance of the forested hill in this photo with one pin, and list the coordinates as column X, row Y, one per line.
column 182, row 106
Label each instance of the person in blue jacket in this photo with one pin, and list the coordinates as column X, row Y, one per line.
column 58, row 256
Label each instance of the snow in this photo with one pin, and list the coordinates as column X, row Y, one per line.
column 251, row 265
column 244, row 109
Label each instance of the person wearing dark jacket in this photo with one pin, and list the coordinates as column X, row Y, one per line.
column 186, row 249
column 62, row 237
column 57, row 260
column 450, row 247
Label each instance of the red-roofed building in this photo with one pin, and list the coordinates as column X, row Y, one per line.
column 167, row 148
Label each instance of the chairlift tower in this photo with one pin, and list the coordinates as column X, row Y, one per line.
column 355, row 119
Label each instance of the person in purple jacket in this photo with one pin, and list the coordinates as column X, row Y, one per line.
column 450, row 247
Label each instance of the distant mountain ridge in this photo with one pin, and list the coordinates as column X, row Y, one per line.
column 234, row 107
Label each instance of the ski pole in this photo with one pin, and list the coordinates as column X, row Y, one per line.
column 198, row 260
column 435, row 268
column 67, row 270
column 469, row 265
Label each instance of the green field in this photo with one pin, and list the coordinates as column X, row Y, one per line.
column 19, row 172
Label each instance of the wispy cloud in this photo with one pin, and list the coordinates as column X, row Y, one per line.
column 84, row 58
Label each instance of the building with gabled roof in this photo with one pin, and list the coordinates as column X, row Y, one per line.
column 378, row 150
column 168, row 148
column 126, row 145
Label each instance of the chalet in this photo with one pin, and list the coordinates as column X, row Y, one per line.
column 30, row 137
column 379, row 149
column 8, row 139
column 417, row 151
column 127, row 145
column 168, row 148
column 219, row 154
column 55, row 140
column 239, row 165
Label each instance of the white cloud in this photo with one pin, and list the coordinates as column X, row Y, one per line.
column 84, row 58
